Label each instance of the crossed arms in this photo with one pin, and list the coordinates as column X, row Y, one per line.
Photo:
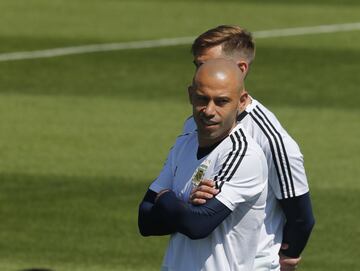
column 167, row 214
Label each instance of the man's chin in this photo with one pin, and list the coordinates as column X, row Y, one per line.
column 207, row 132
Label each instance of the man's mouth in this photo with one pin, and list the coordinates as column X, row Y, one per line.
column 209, row 122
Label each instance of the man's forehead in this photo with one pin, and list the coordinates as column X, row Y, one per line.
column 211, row 88
column 213, row 92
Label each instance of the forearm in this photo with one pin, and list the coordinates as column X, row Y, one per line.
column 299, row 223
column 194, row 221
column 150, row 220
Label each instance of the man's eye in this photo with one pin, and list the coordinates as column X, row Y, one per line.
column 201, row 98
column 222, row 102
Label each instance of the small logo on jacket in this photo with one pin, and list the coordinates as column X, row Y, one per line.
column 200, row 172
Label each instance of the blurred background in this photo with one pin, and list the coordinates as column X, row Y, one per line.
column 83, row 135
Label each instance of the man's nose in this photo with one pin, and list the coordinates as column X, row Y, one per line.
column 209, row 109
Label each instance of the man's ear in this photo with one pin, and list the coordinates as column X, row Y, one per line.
column 190, row 91
column 243, row 66
column 243, row 100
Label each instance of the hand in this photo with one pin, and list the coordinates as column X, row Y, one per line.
column 287, row 263
column 160, row 193
column 204, row 191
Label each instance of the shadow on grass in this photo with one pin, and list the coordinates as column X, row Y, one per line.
column 73, row 220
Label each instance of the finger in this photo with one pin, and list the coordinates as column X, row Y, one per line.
column 206, row 182
column 199, row 198
column 289, row 264
column 290, row 261
column 202, row 195
column 198, row 201
column 208, row 189
column 204, row 192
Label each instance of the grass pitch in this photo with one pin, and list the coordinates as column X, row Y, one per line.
column 83, row 136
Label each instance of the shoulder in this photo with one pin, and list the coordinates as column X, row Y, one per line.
column 246, row 138
column 241, row 173
column 262, row 116
column 266, row 129
column 240, row 145
column 184, row 139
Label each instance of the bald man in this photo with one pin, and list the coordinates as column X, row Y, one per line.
column 289, row 218
column 223, row 233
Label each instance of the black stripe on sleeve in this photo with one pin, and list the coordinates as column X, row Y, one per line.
column 278, row 152
column 237, row 158
column 234, row 158
column 232, row 137
column 274, row 141
column 241, row 155
column 272, row 152
column 284, row 150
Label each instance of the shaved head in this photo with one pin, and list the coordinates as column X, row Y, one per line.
column 215, row 96
column 220, row 71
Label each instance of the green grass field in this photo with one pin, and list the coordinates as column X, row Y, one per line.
column 82, row 136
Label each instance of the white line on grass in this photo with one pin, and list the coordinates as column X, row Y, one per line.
column 74, row 50
column 297, row 31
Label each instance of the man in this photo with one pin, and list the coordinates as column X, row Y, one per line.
column 223, row 233
column 289, row 219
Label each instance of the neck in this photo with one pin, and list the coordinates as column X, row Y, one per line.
column 209, row 141
column 204, row 143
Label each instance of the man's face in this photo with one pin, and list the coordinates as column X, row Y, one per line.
column 215, row 107
column 211, row 53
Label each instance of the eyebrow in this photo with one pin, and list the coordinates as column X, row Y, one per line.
column 200, row 94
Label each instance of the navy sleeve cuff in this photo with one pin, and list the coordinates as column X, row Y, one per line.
column 299, row 223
